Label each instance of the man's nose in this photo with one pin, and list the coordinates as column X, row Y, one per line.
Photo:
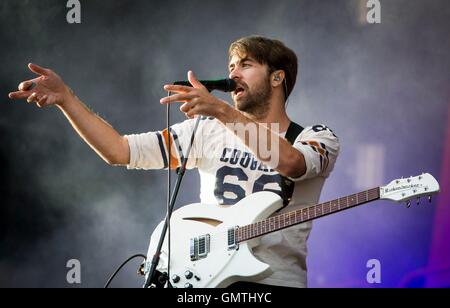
column 235, row 74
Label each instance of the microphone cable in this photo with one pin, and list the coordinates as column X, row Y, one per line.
column 120, row 267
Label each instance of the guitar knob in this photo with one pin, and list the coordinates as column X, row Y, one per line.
column 175, row 278
column 188, row 274
column 163, row 278
column 188, row 286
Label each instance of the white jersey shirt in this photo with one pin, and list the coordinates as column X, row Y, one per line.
column 229, row 172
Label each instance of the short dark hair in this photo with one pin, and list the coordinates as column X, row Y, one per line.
column 271, row 52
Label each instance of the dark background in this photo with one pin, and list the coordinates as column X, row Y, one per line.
column 383, row 89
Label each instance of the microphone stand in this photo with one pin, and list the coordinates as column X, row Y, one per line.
column 152, row 278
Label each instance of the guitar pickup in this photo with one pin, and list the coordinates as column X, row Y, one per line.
column 199, row 247
column 232, row 241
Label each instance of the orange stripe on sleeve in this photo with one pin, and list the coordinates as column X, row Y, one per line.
column 174, row 161
column 318, row 147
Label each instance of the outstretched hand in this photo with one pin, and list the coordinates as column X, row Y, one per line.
column 197, row 99
column 45, row 90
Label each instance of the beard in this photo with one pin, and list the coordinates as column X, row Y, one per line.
column 255, row 103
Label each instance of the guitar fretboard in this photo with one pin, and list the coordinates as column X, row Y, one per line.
column 281, row 221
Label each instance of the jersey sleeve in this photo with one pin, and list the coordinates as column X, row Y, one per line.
column 320, row 148
column 150, row 150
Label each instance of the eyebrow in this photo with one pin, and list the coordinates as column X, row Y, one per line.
column 246, row 59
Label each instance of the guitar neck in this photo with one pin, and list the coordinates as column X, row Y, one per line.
column 281, row 221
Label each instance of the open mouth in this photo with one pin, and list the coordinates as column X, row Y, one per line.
column 239, row 90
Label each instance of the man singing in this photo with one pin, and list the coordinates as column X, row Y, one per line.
column 231, row 164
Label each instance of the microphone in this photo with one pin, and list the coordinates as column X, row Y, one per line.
column 224, row 85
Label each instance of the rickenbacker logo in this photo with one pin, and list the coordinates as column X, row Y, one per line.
column 402, row 187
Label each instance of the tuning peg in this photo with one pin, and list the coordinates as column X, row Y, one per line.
column 429, row 198
column 408, row 204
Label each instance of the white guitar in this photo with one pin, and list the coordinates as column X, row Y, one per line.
column 211, row 246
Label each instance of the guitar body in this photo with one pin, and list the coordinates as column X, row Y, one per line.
column 212, row 262
column 208, row 251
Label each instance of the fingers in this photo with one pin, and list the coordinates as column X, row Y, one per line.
column 38, row 70
column 27, row 85
column 33, row 97
column 19, row 94
column 41, row 102
column 194, row 81
column 183, row 97
column 186, row 107
column 177, row 88
column 192, row 112
column 25, row 88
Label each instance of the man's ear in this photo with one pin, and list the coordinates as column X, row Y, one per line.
column 277, row 78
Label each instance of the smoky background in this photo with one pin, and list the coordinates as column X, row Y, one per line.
column 382, row 88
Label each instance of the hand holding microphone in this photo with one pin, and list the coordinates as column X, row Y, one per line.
column 224, row 85
column 196, row 97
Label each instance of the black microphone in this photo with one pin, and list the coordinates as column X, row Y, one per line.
column 225, row 85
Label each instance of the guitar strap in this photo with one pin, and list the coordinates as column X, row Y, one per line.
column 287, row 185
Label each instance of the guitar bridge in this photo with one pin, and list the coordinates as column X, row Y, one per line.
column 199, row 247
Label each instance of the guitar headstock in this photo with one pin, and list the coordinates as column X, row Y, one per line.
column 405, row 189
